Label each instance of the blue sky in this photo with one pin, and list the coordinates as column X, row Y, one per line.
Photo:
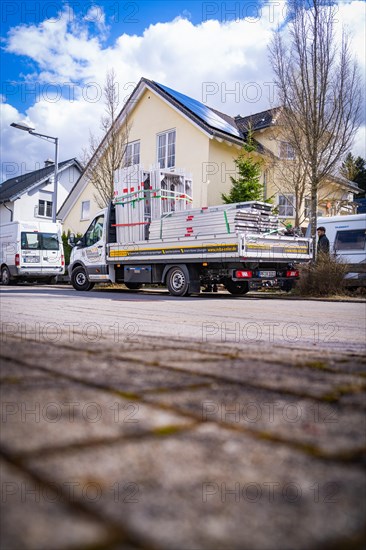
column 55, row 56
column 120, row 17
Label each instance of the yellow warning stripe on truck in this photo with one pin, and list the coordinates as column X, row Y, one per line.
column 278, row 248
column 192, row 249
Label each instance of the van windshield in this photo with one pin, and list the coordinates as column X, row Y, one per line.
column 39, row 241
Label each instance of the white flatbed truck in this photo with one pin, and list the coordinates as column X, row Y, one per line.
column 185, row 250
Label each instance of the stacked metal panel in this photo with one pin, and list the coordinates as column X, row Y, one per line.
column 142, row 196
column 129, row 196
column 251, row 217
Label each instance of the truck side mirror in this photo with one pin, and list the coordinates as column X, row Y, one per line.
column 71, row 240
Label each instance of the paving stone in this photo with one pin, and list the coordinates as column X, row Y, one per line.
column 13, row 373
column 124, row 375
column 329, row 428
column 213, row 488
column 175, row 479
column 35, row 517
column 36, row 418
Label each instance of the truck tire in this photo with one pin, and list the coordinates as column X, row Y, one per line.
column 79, row 280
column 177, row 281
column 6, row 279
column 133, row 286
column 237, row 288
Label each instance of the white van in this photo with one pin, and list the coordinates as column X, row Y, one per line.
column 347, row 240
column 347, row 236
column 31, row 251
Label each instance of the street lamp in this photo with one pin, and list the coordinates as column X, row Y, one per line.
column 21, row 126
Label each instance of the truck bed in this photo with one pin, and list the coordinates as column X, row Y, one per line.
column 241, row 247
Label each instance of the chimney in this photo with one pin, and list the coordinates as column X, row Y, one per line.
column 48, row 162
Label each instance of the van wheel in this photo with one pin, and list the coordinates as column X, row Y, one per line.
column 177, row 282
column 6, row 279
column 237, row 288
column 51, row 281
column 79, row 280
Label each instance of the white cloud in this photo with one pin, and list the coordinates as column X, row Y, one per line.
column 224, row 63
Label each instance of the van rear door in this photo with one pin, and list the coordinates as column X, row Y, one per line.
column 41, row 252
column 30, row 256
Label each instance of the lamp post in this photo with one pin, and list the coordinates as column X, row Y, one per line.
column 21, row 126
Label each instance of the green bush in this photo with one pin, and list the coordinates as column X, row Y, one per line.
column 67, row 247
column 323, row 278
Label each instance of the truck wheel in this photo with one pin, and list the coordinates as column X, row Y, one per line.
column 177, row 282
column 237, row 288
column 6, row 277
column 79, row 280
column 133, row 286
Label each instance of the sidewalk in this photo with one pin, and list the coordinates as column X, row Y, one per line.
column 181, row 445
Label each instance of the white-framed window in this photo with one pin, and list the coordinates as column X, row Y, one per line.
column 286, row 151
column 45, row 208
column 85, row 210
column 166, row 149
column 286, row 206
column 132, row 153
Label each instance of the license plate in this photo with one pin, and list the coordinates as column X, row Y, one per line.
column 30, row 260
column 267, row 274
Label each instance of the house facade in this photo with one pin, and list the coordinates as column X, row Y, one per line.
column 172, row 131
column 29, row 196
column 284, row 177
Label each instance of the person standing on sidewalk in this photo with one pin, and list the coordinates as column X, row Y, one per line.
column 323, row 242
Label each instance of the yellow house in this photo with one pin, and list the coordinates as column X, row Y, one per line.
column 285, row 179
column 175, row 132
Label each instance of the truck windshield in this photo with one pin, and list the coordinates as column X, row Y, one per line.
column 39, row 241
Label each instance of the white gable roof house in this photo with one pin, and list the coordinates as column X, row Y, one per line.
column 29, row 196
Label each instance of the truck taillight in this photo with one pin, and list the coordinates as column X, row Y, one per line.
column 293, row 273
column 17, row 260
column 243, row 274
column 62, row 260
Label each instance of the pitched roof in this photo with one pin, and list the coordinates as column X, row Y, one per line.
column 351, row 185
column 13, row 187
column 258, row 121
column 208, row 119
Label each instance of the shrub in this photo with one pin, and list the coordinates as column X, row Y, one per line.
column 67, row 247
column 323, row 278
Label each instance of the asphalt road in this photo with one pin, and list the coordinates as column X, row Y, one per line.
column 60, row 313
column 135, row 420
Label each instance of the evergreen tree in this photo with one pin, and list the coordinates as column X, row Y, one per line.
column 354, row 169
column 360, row 178
column 247, row 186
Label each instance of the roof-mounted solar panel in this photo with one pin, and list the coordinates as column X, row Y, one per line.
column 202, row 111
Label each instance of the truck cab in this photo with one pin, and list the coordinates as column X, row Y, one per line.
column 88, row 256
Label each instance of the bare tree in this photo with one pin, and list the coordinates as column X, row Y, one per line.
column 288, row 174
column 108, row 153
column 319, row 87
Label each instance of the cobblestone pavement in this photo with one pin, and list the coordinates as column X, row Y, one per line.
column 181, row 444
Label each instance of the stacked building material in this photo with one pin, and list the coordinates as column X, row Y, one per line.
column 251, row 217
column 145, row 195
